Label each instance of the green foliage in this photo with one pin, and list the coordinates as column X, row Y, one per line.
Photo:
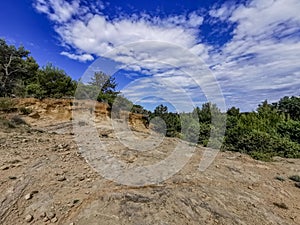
column 25, row 110
column 12, row 67
column 7, row 104
column 20, row 76
column 161, row 109
column 289, row 106
column 14, row 122
column 100, row 88
column 262, row 134
column 35, row 90
column 17, row 120
column 290, row 129
column 105, row 86
column 6, row 123
column 295, row 178
column 139, row 109
column 53, row 82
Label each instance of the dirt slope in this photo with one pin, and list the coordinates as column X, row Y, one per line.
column 45, row 180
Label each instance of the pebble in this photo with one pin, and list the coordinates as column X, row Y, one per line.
column 28, row 218
column 28, row 196
column 61, row 178
column 43, row 214
column 54, row 220
column 4, row 167
column 50, row 215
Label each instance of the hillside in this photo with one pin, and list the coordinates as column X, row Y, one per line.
column 46, row 180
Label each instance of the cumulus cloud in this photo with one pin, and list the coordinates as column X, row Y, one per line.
column 81, row 58
column 259, row 61
column 58, row 10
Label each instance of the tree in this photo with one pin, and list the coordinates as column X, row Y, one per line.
column 12, row 66
column 290, row 106
column 161, row 109
column 107, row 84
column 51, row 82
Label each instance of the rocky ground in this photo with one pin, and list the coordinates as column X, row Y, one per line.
column 45, row 179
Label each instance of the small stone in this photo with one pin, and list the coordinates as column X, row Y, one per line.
column 297, row 185
column 12, row 177
column 54, row 220
column 50, row 215
column 43, row 214
column 279, row 178
column 72, row 224
column 45, row 219
column 34, row 192
column 81, row 178
column 28, row 196
column 61, row 178
column 281, row 205
column 28, row 218
column 75, row 201
column 4, row 167
column 34, row 115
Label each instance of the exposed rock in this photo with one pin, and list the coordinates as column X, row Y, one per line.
column 28, row 218
column 281, row 205
column 136, row 198
column 54, row 220
column 28, row 196
column 4, row 168
column 50, row 215
column 280, row 178
column 61, row 178
column 34, row 115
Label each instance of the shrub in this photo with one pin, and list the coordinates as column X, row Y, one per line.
column 7, row 105
column 295, row 178
column 18, row 120
column 6, row 123
column 25, row 111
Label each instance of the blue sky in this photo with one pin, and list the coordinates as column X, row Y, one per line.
column 242, row 52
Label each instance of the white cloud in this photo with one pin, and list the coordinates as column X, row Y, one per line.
column 260, row 61
column 81, row 58
column 58, row 10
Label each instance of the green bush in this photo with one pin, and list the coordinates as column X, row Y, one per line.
column 7, row 104
column 295, row 178
column 17, row 120
column 25, row 111
column 6, row 123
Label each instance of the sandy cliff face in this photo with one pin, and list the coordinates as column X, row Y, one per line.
column 45, row 179
column 60, row 110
